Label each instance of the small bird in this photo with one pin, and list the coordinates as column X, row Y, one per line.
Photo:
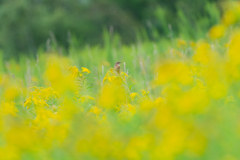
column 117, row 67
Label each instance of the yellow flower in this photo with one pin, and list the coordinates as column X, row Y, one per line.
column 203, row 53
column 95, row 110
column 124, row 74
column 39, row 102
column 217, row 31
column 111, row 95
column 181, row 43
column 85, row 98
column 146, row 105
column 85, row 70
column 230, row 17
column 159, row 101
column 28, row 102
column 173, row 71
column 133, row 95
column 234, row 48
column 145, row 93
column 110, row 79
column 11, row 93
column 74, row 71
column 131, row 108
column 8, row 108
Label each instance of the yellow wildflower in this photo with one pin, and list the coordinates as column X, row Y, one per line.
column 173, row 71
column 85, row 98
column 74, row 71
column 11, row 93
column 159, row 101
column 125, row 74
column 131, row 108
column 111, row 95
column 145, row 93
column 230, row 17
column 110, row 79
column 8, row 108
column 28, row 102
column 95, row 110
column 181, row 43
column 217, row 31
column 133, row 95
column 202, row 53
column 85, row 70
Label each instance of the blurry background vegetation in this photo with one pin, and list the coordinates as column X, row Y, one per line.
column 26, row 25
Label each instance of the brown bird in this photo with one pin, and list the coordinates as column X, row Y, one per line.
column 117, row 67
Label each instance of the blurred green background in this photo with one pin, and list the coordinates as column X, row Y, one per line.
column 26, row 25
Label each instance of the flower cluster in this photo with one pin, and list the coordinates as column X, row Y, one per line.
column 76, row 73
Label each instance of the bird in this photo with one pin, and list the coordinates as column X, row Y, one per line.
column 117, row 67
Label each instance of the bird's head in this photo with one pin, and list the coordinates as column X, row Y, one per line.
column 118, row 63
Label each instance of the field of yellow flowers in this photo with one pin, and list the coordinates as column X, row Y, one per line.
column 172, row 100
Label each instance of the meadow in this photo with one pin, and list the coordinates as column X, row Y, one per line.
column 174, row 99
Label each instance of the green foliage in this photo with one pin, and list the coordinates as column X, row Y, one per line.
column 28, row 24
